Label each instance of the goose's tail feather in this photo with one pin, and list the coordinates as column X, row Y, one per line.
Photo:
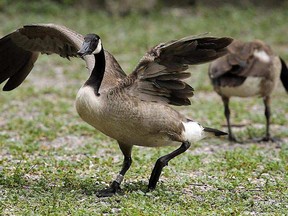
column 214, row 132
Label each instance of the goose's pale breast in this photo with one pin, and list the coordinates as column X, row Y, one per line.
column 250, row 87
column 132, row 122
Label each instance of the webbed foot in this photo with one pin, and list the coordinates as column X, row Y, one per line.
column 267, row 139
column 233, row 139
column 111, row 191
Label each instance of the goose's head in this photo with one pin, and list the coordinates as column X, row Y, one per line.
column 91, row 45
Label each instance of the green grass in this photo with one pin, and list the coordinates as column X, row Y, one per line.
column 52, row 163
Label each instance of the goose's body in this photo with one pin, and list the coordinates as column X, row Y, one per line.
column 120, row 119
column 249, row 69
column 132, row 109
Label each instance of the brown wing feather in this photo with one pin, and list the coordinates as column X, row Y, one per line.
column 160, row 73
column 19, row 50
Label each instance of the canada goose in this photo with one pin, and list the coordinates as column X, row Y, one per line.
column 249, row 69
column 132, row 109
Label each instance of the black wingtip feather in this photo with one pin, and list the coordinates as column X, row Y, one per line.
column 6, row 88
column 176, row 101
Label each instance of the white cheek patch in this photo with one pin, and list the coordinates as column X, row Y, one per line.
column 262, row 56
column 99, row 47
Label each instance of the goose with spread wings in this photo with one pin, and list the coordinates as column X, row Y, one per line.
column 133, row 109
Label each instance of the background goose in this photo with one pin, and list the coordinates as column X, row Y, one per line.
column 132, row 109
column 249, row 69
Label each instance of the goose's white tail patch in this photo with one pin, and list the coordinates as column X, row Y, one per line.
column 193, row 131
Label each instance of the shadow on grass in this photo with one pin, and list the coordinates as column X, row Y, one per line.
column 139, row 187
column 35, row 176
column 21, row 180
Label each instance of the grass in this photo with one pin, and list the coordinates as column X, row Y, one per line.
column 51, row 162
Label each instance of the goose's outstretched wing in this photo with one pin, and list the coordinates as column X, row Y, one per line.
column 244, row 59
column 160, row 73
column 20, row 49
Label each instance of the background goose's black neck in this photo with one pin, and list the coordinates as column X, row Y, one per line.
column 284, row 74
column 97, row 74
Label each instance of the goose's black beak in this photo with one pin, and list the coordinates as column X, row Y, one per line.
column 85, row 49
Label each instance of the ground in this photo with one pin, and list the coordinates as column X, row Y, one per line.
column 51, row 162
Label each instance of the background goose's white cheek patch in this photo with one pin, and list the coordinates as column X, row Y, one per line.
column 262, row 55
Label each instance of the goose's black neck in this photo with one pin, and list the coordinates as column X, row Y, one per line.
column 97, row 73
column 284, row 74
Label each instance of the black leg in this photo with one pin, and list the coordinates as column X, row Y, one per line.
column 225, row 100
column 266, row 101
column 115, row 185
column 162, row 162
column 267, row 112
column 267, row 136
